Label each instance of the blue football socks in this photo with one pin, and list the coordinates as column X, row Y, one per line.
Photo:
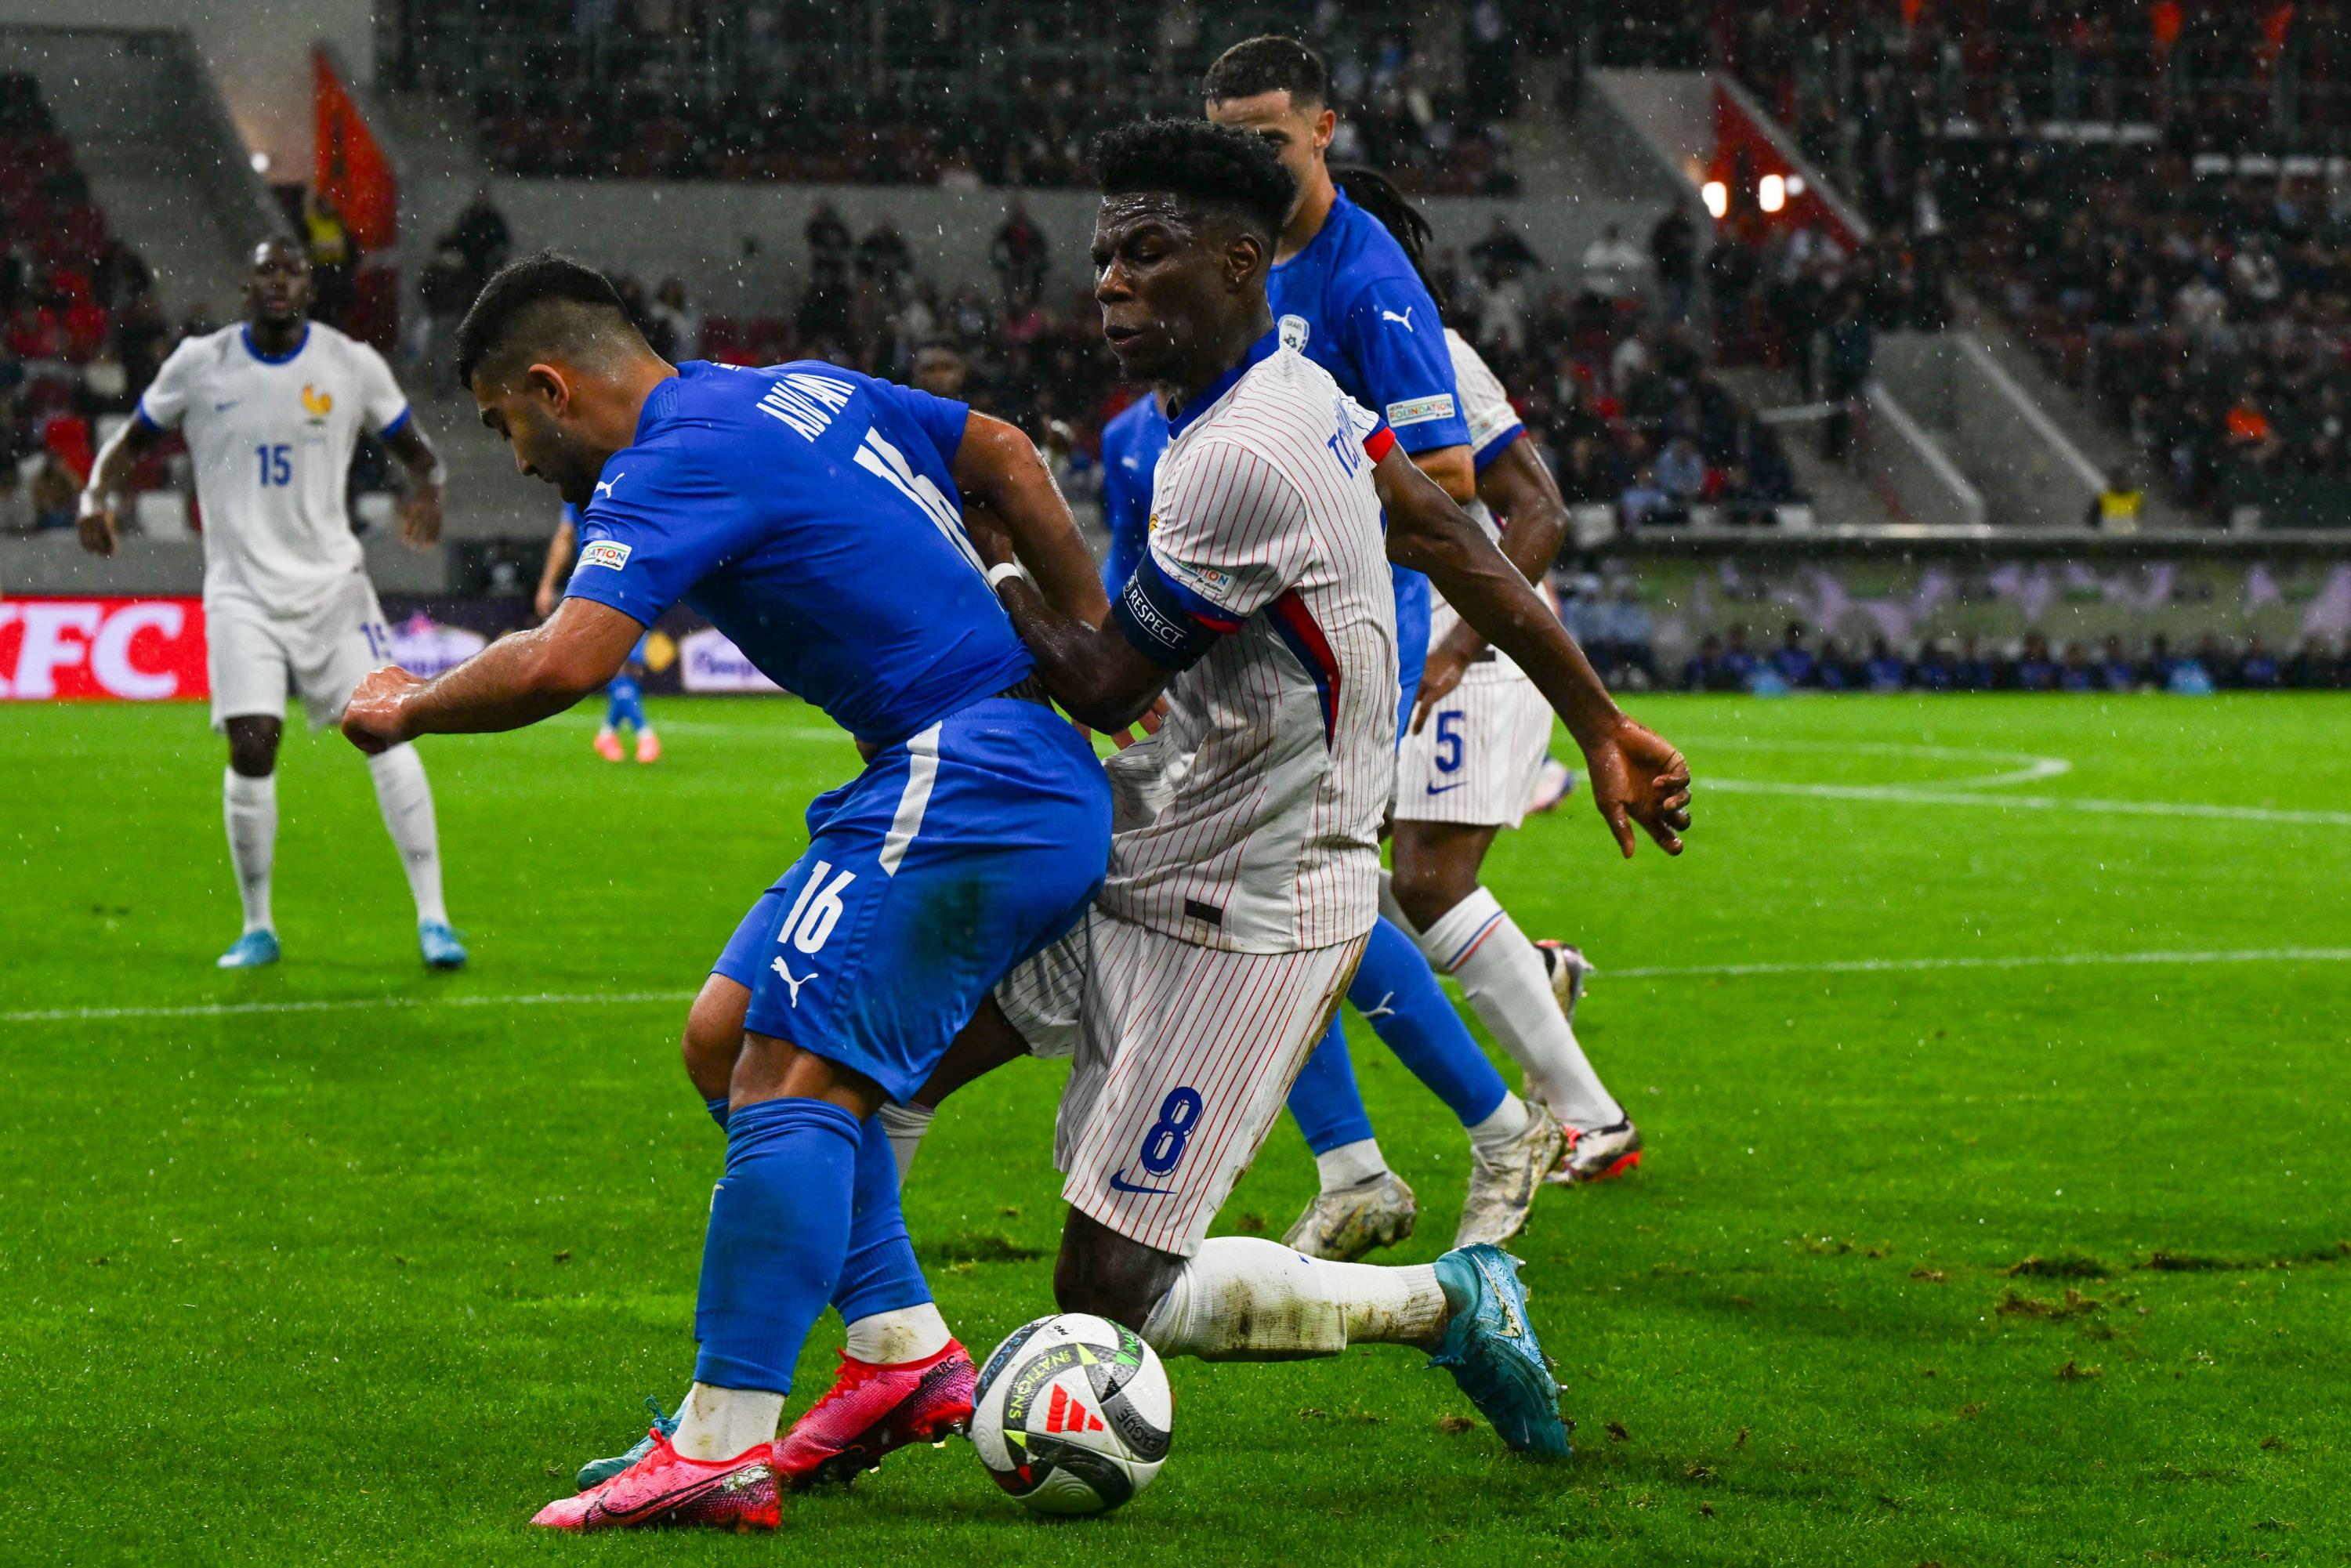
column 879, row 1274
column 779, row 1223
column 1399, row 996
column 624, row 703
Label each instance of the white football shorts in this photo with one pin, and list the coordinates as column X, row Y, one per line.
column 322, row 653
column 1183, row 1055
column 1476, row 760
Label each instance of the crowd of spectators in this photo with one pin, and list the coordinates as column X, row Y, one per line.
column 1968, row 664
column 2143, row 190
column 1615, row 382
column 81, row 328
column 943, row 94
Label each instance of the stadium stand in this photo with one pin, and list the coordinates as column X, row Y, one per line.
column 2143, row 191
column 84, row 328
column 943, row 94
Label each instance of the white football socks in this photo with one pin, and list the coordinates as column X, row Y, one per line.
column 903, row 1125
column 903, row 1334
column 720, row 1422
column 406, row 800
column 1478, row 944
column 249, row 807
column 1350, row 1165
column 1508, row 1121
column 1242, row 1298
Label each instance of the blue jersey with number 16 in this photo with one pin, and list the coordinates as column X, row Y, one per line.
column 808, row 511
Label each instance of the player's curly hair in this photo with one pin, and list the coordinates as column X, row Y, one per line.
column 520, row 288
column 1378, row 195
column 1202, row 164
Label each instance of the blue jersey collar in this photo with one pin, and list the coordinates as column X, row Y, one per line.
column 253, row 349
column 1262, row 350
column 1332, row 223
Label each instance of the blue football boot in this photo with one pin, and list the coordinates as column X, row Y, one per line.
column 251, row 951
column 440, row 944
column 1489, row 1348
column 596, row 1472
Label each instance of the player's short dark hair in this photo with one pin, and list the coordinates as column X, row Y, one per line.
column 539, row 286
column 1269, row 63
column 1201, row 165
column 1378, row 195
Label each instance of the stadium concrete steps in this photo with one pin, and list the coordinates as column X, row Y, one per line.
column 158, row 206
column 2069, row 411
column 1840, row 497
column 486, row 497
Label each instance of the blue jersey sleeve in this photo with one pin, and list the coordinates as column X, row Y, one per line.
column 1393, row 333
column 654, row 529
column 941, row 419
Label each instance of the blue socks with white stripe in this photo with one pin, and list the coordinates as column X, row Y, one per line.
column 1399, row 994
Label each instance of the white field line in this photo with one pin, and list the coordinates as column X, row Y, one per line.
column 2027, row 767
column 1910, row 796
column 2018, row 961
column 345, row 1005
column 1687, row 972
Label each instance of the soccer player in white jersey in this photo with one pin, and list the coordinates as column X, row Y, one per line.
column 1477, row 743
column 1244, row 869
column 271, row 409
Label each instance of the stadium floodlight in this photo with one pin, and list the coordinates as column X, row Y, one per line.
column 1717, row 197
column 1771, row 192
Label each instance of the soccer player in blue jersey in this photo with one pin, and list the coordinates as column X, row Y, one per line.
column 1345, row 292
column 813, row 515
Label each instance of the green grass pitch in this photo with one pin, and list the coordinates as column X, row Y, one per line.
column 342, row 1262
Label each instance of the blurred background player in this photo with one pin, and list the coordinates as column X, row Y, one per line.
column 625, row 699
column 272, row 409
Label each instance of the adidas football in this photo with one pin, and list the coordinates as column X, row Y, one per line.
column 1072, row 1413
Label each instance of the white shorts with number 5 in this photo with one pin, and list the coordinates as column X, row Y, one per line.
column 1183, row 1055
column 257, row 657
column 1476, row 760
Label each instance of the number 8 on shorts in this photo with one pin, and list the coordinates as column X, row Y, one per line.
column 1164, row 1140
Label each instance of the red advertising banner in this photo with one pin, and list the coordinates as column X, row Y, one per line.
column 133, row 650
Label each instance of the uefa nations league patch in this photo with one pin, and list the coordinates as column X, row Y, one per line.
column 605, row 552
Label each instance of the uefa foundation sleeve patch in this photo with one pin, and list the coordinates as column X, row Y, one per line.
column 605, row 552
column 1421, row 410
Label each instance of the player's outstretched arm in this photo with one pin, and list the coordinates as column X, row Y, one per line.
column 1636, row 777
column 1007, row 486
column 1520, row 490
column 94, row 517
column 517, row 680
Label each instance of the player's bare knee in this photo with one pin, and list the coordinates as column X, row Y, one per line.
column 1426, row 892
column 252, row 747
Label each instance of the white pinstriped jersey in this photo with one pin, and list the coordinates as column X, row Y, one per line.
column 1493, row 424
column 1251, row 822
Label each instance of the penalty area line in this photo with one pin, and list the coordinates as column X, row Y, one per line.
column 345, row 1005
column 2017, row 961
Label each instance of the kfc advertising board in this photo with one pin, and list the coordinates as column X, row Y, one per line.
column 133, row 650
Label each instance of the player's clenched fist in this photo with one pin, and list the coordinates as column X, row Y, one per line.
column 376, row 718
column 1638, row 776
